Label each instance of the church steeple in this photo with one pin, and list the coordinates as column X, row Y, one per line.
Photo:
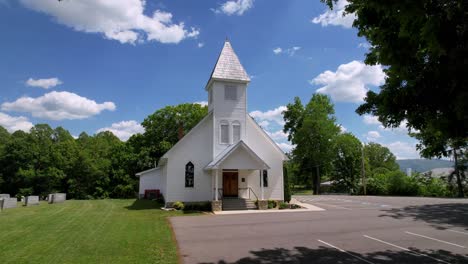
column 228, row 67
column 227, row 99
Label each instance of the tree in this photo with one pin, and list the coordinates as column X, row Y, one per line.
column 422, row 46
column 312, row 129
column 347, row 162
column 379, row 157
column 162, row 127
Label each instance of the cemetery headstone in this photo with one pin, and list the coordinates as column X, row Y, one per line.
column 4, row 195
column 8, row 203
column 32, row 200
column 57, row 197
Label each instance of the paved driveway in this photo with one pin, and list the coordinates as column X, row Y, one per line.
column 353, row 229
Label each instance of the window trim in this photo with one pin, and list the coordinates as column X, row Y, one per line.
column 236, row 124
column 264, row 173
column 221, row 124
column 233, row 88
column 189, row 174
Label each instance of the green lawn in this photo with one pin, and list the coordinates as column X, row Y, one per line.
column 94, row 231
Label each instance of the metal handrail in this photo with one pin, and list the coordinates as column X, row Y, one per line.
column 250, row 191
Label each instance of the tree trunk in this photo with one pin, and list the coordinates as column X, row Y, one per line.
column 461, row 194
column 317, row 181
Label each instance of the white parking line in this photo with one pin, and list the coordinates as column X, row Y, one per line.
column 335, row 206
column 459, row 232
column 344, row 251
column 405, row 249
column 435, row 239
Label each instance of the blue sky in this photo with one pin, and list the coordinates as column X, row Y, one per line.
column 105, row 65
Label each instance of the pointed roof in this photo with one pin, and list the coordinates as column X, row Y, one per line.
column 228, row 66
column 248, row 152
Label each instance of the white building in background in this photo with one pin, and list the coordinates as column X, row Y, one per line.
column 227, row 154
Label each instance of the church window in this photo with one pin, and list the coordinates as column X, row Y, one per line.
column 224, row 133
column 230, row 92
column 236, row 131
column 264, row 174
column 189, row 172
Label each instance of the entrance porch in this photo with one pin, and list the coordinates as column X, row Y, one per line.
column 233, row 173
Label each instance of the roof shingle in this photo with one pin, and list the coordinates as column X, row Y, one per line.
column 228, row 66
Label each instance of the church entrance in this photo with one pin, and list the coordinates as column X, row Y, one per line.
column 230, row 183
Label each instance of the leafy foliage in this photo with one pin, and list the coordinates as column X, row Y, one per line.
column 422, row 46
column 312, row 129
column 49, row 160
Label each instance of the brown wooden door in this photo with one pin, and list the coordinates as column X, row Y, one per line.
column 230, row 183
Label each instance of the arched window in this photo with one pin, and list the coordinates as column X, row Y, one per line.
column 224, row 132
column 264, row 174
column 236, row 131
column 189, row 170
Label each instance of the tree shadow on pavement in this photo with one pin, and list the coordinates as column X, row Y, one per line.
column 435, row 214
column 324, row 255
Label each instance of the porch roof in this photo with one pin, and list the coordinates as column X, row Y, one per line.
column 238, row 156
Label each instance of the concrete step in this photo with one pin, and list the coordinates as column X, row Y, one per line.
column 238, row 204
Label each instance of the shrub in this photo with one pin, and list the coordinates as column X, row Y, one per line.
column 283, row 205
column 272, row 204
column 161, row 199
column 295, row 206
column 434, row 188
column 400, row 184
column 200, row 206
column 178, row 205
column 24, row 192
column 377, row 185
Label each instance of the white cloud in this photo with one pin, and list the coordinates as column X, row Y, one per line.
column 234, row 7
column 278, row 50
column 335, row 17
column 364, row 45
column 289, row 51
column 403, row 150
column 200, row 44
column 275, row 115
column 124, row 129
column 58, row 106
column 402, row 128
column 123, row 20
column 202, row 103
column 349, row 82
column 372, row 135
column 14, row 123
column 44, row 83
column 278, row 135
column 286, row 147
column 264, row 123
column 343, row 129
column 371, row 120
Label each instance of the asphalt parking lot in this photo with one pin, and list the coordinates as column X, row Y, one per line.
column 352, row 229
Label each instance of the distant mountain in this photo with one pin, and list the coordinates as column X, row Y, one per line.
column 423, row 165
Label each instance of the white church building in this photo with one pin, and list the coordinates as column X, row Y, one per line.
column 227, row 156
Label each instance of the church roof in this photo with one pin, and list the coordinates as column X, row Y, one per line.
column 215, row 163
column 228, row 66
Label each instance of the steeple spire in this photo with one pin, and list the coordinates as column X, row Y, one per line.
column 228, row 66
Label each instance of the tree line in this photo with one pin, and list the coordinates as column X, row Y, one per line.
column 324, row 152
column 46, row 160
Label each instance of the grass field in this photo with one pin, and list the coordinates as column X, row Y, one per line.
column 94, row 231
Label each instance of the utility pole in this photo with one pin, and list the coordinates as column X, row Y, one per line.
column 363, row 173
